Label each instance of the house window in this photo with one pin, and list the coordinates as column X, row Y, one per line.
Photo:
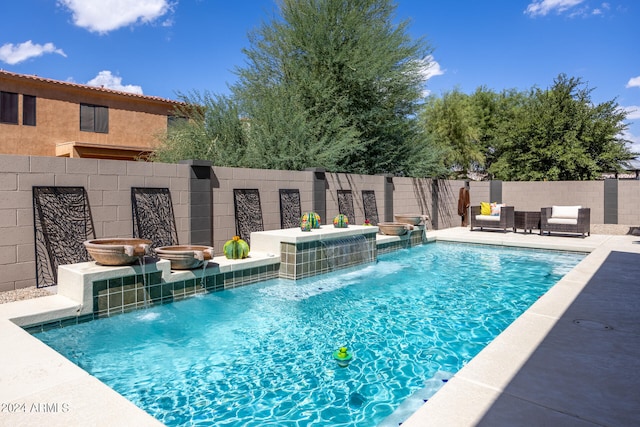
column 9, row 107
column 94, row 118
column 28, row 110
column 175, row 121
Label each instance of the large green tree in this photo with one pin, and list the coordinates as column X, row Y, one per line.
column 349, row 74
column 451, row 123
column 329, row 83
column 541, row 134
column 560, row 134
column 205, row 127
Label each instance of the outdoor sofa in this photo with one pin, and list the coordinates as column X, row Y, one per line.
column 565, row 219
column 500, row 217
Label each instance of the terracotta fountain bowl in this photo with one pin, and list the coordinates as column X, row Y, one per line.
column 185, row 257
column 393, row 228
column 117, row 251
column 409, row 219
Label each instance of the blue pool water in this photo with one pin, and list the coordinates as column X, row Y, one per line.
column 261, row 355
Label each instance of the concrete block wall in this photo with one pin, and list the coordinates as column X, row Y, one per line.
column 448, row 194
column 412, row 196
column 535, row 195
column 436, row 198
column 268, row 183
column 479, row 191
column 355, row 183
column 629, row 202
column 108, row 184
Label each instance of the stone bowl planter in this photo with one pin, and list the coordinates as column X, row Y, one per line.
column 185, row 257
column 393, row 228
column 113, row 252
column 409, row 218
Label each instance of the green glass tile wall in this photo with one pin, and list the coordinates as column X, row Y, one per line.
column 124, row 294
column 251, row 275
column 414, row 238
column 306, row 259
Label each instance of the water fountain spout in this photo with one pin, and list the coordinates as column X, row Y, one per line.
column 347, row 251
column 145, row 295
column 185, row 257
column 140, row 250
column 203, row 255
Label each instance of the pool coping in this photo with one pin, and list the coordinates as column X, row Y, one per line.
column 59, row 393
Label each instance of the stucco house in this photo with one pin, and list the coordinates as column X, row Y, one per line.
column 45, row 117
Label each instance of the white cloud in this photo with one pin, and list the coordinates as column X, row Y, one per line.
column 107, row 15
column 602, row 9
column 633, row 112
column 544, row 7
column 13, row 54
column 107, row 80
column 635, row 141
column 634, row 144
column 430, row 68
column 633, row 82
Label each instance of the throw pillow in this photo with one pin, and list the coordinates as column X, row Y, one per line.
column 485, row 208
column 495, row 209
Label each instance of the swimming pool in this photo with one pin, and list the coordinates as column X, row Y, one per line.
column 262, row 354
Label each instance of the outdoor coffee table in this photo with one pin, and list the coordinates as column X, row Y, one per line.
column 527, row 220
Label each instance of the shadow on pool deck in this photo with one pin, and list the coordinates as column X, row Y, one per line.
column 586, row 370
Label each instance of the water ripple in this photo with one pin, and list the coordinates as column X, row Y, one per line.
column 261, row 355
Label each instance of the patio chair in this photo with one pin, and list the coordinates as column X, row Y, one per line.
column 565, row 219
column 504, row 218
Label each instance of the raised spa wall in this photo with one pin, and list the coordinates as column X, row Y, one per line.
column 292, row 254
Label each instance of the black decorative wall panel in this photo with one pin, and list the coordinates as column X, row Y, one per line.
column 370, row 206
column 345, row 206
column 290, row 211
column 62, row 222
column 153, row 217
column 248, row 212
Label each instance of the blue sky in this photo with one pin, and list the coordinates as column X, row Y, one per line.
column 163, row 47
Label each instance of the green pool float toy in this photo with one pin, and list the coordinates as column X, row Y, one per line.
column 342, row 356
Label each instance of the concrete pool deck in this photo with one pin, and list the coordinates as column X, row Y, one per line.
column 572, row 359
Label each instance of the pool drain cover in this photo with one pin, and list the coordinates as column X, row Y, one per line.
column 593, row 324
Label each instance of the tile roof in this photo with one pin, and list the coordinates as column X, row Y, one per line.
column 84, row 86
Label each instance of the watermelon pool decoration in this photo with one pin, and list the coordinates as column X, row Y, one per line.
column 312, row 218
column 341, row 221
